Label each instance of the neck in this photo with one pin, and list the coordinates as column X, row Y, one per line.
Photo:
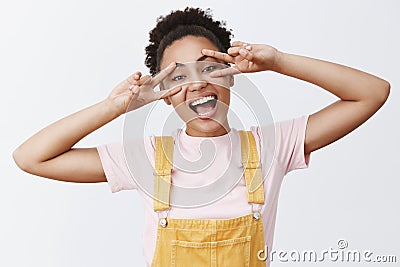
column 221, row 130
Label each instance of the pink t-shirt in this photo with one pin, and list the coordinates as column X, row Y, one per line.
column 281, row 154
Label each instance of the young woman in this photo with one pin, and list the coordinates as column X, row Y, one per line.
column 229, row 231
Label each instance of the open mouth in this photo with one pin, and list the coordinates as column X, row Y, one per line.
column 205, row 106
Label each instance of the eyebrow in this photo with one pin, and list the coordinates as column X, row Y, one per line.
column 202, row 58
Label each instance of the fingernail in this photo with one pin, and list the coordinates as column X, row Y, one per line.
column 243, row 52
column 248, row 47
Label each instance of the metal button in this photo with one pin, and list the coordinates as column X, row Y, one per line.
column 256, row 215
column 163, row 222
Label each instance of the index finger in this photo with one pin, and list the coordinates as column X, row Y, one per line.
column 162, row 74
column 218, row 55
column 224, row 72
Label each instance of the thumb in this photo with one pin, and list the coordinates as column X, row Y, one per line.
column 170, row 92
column 133, row 92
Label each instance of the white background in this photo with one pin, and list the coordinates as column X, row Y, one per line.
column 58, row 57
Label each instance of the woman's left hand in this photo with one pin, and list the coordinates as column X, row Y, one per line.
column 247, row 57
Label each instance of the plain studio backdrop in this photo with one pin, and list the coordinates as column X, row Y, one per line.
column 58, row 57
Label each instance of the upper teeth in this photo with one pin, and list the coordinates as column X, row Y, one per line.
column 202, row 100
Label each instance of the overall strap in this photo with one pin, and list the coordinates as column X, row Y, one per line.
column 252, row 168
column 162, row 173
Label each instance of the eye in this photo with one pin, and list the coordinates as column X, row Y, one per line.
column 209, row 68
column 178, row 78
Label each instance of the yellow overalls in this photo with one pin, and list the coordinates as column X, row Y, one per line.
column 208, row 242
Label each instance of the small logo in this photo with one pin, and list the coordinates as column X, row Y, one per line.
column 342, row 244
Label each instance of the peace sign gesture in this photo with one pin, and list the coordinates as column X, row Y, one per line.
column 246, row 57
column 137, row 91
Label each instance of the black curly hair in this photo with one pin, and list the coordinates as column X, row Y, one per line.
column 178, row 24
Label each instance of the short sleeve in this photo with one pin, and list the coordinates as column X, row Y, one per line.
column 115, row 168
column 290, row 137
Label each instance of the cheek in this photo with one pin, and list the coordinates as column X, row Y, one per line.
column 227, row 100
column 225, row 95
column 177, row 99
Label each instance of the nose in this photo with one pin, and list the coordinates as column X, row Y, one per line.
column 197, row 86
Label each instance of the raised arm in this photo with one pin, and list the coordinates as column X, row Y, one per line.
column 361, row 94
column 49, row 152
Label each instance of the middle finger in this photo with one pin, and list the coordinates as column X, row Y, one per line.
column 218, row 55
column 162, row 74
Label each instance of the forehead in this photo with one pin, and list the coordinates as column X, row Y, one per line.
column 186, row 49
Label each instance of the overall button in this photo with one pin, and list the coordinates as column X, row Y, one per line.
column 256, row 215
column 163, row 222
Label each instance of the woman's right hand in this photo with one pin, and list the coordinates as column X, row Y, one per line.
column 50, row 153
column 137, row 91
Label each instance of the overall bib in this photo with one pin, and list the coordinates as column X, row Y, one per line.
column 208, row 242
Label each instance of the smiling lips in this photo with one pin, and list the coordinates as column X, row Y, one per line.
column 205, row 106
